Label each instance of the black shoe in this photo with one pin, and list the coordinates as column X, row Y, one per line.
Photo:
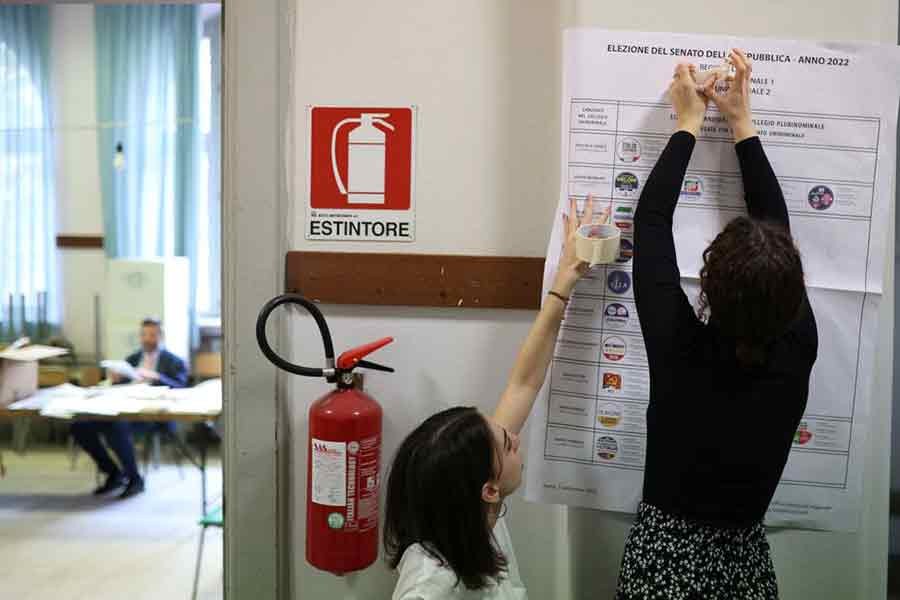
column 135, row 486
column 113, row 482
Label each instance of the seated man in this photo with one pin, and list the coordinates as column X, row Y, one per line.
column 155, row 365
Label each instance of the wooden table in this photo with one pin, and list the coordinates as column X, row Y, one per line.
column 200, row 421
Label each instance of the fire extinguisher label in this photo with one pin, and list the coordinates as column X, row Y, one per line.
column 329, row 473
column 369, row 455
column 362, row 484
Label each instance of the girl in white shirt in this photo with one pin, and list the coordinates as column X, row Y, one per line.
column 444, row 528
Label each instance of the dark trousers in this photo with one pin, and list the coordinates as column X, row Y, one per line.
column 118, row 437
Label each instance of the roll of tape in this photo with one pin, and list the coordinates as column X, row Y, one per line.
column 723, row 71
column 597, row 244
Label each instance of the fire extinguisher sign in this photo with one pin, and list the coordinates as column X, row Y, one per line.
column 361, row 166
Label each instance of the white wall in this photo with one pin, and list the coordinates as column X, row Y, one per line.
column 486, row 78
column 895, row 417
column 80, row 210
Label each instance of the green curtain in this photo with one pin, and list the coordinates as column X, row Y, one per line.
column 27, row 196
column 147, row 106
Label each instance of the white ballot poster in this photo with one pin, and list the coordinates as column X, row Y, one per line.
column 826, row 115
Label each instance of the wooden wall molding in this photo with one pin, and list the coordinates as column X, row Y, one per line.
column 416, row 279
column 79, row 241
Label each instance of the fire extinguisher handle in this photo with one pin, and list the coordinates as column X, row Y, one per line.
column 365, row 364
column 279, row 362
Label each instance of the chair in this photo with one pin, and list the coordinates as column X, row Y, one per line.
column 21, row 429
column 213, row 518
column 152, row 438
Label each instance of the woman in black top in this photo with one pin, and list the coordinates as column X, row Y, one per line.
column 728, row 384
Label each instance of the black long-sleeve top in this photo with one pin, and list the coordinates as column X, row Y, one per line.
column 718, row 435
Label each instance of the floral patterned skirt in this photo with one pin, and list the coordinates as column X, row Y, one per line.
column 672, row 558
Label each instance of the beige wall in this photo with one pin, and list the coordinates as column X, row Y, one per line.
column 79, row 207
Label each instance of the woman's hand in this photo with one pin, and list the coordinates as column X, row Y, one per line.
column 571, row 268
column 734, row 102
column 689, row 103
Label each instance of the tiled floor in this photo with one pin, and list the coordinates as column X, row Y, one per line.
column 60, row 542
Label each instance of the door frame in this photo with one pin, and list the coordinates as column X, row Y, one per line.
column 255, row 214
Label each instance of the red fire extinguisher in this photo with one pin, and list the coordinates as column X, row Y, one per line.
column 343, row 452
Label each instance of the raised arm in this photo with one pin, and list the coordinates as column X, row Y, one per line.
column 662, row 306
column 762, row 193
column 530, row 369
column 661, row 303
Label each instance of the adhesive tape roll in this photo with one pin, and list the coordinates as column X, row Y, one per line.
column 723, row 71
column 597, row 244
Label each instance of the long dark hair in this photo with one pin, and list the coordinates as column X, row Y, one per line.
column 751, row 285
column 434, row 496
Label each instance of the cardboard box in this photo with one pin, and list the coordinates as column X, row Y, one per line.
column 19, row 371
column 18, row 379
column 207, row 365
column 88, row 376
column 52, row 375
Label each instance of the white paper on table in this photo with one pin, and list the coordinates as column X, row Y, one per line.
column 67, row 400
column 120, row 367
column 68, row 406
column 203, row 398
column 143, row 391
column 587, row 433
column 32, row 353
column 29, row 403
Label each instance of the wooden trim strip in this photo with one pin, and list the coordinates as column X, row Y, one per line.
column 79, row 241
column 416, row 279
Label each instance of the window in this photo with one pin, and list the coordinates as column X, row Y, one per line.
column 209, row 198
column 158, row 102
column 27, row 215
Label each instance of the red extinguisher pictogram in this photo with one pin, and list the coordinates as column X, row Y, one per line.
column 366, row 159
column 343, row 452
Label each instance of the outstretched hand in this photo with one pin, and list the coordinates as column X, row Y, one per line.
column 570, row 267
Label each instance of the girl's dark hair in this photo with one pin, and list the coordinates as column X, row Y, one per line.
column 434, row 496
column 751, row 285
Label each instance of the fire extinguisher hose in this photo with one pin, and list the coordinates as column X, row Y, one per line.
column 320, row 321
